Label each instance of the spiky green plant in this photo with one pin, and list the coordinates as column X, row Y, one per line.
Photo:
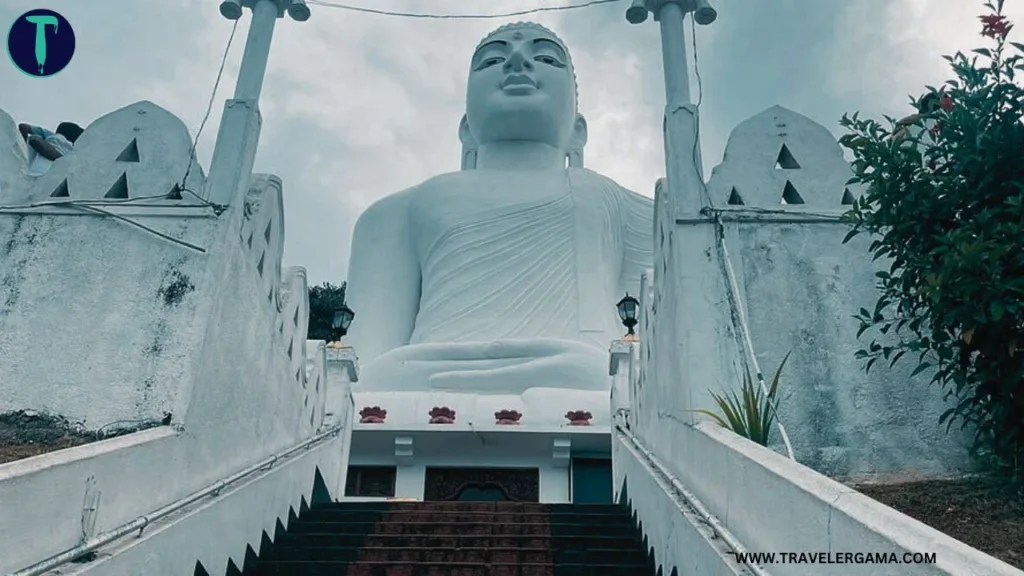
column 750, row 413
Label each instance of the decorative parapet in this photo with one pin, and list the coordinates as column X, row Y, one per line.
column 140, row 151
column 782, row 160
column 293, row 319
column 314, row 382
column 262, row 233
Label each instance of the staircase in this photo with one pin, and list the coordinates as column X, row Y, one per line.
column 456, row 539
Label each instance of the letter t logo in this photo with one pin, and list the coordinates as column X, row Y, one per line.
column 41, row 22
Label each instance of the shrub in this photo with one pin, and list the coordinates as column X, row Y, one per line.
column 945, row 208
column 751, row 413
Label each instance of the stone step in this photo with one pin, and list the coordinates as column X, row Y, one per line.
column 457, row 539
column 445, row 569
column 353, row 515
column 459, row 555
column 577, row 542
column 446, row 526
column 477, row 507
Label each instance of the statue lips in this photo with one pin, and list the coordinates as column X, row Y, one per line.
column 518, row 84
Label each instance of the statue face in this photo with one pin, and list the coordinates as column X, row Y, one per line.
column 521, row 87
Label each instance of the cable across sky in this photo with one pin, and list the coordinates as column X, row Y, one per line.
column 329, row 4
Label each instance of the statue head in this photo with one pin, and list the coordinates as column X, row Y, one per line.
column 522, row 87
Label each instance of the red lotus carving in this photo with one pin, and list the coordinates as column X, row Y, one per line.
column 442, row 415
column 507, row 417
column 372, row 415
column 578, row 417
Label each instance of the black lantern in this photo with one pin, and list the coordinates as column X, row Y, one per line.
column 628, row 308
column 342, row 320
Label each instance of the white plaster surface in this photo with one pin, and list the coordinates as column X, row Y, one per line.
column 678, row 538
column 799, row 286
column 774, row 504
column 749, row 163
column 226, row 356
column 216, row 531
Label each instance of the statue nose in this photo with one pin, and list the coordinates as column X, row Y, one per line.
column 517, row 62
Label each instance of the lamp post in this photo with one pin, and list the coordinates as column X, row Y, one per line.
column 628, row 308
column 682, row 149
column 239, row 132
column 341, row 321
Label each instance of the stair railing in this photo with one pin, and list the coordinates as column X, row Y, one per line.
column 716, row 526
column 140, row 523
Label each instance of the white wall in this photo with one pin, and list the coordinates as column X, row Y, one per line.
column 772, row 504
column 228, row 358
column 799, row 287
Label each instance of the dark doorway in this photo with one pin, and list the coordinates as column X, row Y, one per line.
column 482, row 484
column 591, row 481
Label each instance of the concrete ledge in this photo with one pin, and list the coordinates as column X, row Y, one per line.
column 773, row 504
column 68, row 456
column 219, row 530
column 133, row 474
column 676, row 536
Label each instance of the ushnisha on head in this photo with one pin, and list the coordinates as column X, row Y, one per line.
column 522, row 87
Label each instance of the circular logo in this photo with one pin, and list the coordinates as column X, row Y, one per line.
column 41, row 43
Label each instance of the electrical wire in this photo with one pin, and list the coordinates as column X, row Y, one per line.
column 340, row 6
column 734, row 294
column 209, row 108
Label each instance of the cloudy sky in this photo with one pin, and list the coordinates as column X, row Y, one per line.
column 357, row 106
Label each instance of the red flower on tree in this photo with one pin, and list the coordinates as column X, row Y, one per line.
column 995, row 26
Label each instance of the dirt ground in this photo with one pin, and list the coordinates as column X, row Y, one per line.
column 24, row 434
column 984, row 513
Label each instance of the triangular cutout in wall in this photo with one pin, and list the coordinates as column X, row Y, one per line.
column 120, row 188
column 259, row 265
column 61, row 191
column 848, row 198
column 130, row 152
column 786, row 161
column 266, row 233
column 790, row 195
column 734, row 198
column 175, row 193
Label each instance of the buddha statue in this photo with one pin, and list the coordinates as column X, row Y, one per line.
column 494, row 287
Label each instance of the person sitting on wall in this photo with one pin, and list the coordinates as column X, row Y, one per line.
column 45, row 146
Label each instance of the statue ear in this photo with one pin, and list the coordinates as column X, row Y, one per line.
column 577, row 141
column 469, row 145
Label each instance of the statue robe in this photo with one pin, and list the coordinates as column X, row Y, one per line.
column 520, row 274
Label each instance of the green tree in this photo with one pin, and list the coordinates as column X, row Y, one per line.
column 322, row 302
column 945, row 207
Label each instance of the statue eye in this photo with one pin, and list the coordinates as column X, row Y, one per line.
column 490, row 62
column 550, row 61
